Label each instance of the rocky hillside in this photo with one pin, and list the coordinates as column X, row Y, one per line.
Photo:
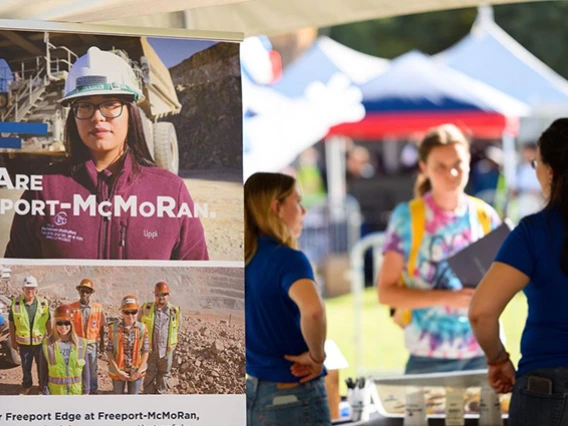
column 209, row 126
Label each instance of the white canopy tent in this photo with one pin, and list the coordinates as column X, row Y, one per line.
column 492, row 56
column 251, row 17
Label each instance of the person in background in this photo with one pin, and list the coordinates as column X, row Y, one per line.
column 163, row 322
column 89, row 323
column 127, row 349
column 534, row 259
column 63, row 367
column 29, row 322
column 429, row 300
column 285, row 315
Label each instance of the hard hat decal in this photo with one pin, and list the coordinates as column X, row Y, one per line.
column 88, row 80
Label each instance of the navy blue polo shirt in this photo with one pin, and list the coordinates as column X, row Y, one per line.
column 534, row 247
column 272, row 318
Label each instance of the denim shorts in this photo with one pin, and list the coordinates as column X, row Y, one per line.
column 530, row 408
column 305, row 404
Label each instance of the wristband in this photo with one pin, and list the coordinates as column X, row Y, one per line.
column 499, row 362
column 315, row 360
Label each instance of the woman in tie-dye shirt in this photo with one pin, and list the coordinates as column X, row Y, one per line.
column 438, row 336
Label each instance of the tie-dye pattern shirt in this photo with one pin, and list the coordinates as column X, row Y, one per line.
column 438, row 331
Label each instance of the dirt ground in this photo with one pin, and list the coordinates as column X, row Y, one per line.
column 221, row 190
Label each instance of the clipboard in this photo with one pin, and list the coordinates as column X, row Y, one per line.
column 471, row 263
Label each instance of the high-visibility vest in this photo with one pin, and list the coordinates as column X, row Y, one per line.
column 65, row 379
column 93, row 323
column 418, row 225
column 115, row 333
column 148, row 316
column 38, row 329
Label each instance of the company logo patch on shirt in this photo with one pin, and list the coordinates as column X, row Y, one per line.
column 60, row 219
column 150, row 234
column 55, row 230
column 94, row 323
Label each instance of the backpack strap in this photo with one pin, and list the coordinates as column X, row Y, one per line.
column 482, row 214
column 418, row 225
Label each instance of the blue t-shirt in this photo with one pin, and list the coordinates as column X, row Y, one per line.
column 534, row 248
column 2, row 321
column 272, row 318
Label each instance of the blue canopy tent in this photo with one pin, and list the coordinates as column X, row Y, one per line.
column 416, row 93
column 491, row 55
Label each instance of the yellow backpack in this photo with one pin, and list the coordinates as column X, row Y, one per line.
column 417, row 207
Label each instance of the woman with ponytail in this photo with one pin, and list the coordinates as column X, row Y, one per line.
column 429, row 301
column 533, row 258
column 285, row 316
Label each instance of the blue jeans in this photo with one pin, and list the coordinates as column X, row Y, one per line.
column 133, row 387
column 305, row 404
column 92, row 362
column 423, row 365
column 28, row 353
column 530, row 408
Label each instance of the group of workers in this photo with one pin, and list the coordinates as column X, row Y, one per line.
column 65, row 345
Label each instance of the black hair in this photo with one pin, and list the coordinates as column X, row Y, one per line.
column 553, row 146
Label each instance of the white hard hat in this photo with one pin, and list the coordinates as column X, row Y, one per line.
column 30, row 282
column 100, row 73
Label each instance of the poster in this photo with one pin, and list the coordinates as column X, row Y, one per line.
column 120, row 172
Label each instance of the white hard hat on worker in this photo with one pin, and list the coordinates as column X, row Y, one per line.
column 101, row 73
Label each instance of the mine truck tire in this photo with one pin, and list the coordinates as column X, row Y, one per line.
column 166, row 151
column 11, row 358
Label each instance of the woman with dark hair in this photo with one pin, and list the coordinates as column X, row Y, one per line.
column 285, row 316
column 107, row 200
column 431, row 304
column 533, row 258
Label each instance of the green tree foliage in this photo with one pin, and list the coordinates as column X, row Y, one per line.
column 540, row 27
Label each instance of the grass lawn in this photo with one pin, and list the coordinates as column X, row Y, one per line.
column 382, row 340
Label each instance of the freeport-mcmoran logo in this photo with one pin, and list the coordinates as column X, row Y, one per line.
column 117, row 206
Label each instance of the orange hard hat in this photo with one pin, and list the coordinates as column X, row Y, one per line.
column 86, row 283
column 161, row 287
column 129, row 302
column 63, row 312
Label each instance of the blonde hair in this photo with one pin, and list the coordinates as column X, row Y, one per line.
column 445, row 134
column 261, row 189
column 55, row 336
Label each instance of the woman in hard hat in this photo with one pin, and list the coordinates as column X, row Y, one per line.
column 108, row 199
column 63, row 368
column 431, row 304
column 533, row 259
column 285, row 316
column 127, row 349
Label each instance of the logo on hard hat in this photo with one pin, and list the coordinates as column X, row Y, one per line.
column 89, row 80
